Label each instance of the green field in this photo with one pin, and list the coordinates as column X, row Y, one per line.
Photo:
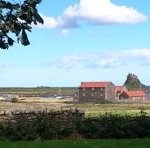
column 91, row 110
column 38, row 90
column 94, row 110
column 136, row 143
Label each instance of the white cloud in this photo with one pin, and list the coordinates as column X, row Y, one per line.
column 49, row 23
column 65, row 32
column 109, row 63
column 69, row 62
column 138, row 53
column 103, row 60
column 96, row 12
column 5, row 66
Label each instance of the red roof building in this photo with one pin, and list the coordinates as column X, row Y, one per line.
column 119, row 90
column 95, row 91
column 133, row 95
column 94, row 84
column 136, row 94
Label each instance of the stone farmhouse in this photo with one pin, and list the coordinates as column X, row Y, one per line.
column 123, row 93
column 95, row 92
column 101, row 91
column 119, row 90
column 133, row 95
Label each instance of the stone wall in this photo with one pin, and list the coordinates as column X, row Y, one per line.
column 110, row 92
column 91, row 95
column 67, row 117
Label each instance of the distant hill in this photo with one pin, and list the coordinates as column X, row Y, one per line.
column 148, row 88
column 38, row 91
column 133, row 83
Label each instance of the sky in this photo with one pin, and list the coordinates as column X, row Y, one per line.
column 82, row 40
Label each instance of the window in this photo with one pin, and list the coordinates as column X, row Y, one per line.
column 84, row 95
column 93, row 88
column 83, row 89
column 101, row 88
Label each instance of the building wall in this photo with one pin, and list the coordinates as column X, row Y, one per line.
column 117, row 94
column 137, row 98
column 91, row 94
column 96, row 94
column 76, row 97
column 123, row 95
column 110, row 92
column 147, row 95
column 124, row 89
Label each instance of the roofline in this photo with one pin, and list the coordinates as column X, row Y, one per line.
column 108, row 82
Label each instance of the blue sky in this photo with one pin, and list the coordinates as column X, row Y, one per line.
column 82, row 40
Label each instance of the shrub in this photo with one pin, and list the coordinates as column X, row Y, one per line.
column 14, row 100
column 44, row 126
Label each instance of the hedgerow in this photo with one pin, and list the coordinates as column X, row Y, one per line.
column 105, row 126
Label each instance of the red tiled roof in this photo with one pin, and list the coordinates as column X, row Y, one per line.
column 118, row 88
column 93, row 84
column 136, row 94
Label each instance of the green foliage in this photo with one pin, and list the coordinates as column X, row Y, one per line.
column 116, row 126
column 42, row 127
column 14, row 100
column 16, row 18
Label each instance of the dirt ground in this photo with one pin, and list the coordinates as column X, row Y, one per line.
column 35, row 104
column 41, row 104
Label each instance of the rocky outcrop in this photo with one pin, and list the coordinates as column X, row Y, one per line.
column 133, row 83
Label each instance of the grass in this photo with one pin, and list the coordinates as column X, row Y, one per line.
column 91, row 110
column 38, row 90
column 135, row 143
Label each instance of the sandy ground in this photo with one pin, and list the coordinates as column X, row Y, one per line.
column 36, row 104
column 41, row 104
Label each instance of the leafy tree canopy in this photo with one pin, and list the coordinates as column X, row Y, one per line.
column 15, row 19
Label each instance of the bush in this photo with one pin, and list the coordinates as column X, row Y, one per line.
column 14, row 100
column 42, row 126
column 116, row 126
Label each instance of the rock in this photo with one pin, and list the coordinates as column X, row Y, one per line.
column 133, row 83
